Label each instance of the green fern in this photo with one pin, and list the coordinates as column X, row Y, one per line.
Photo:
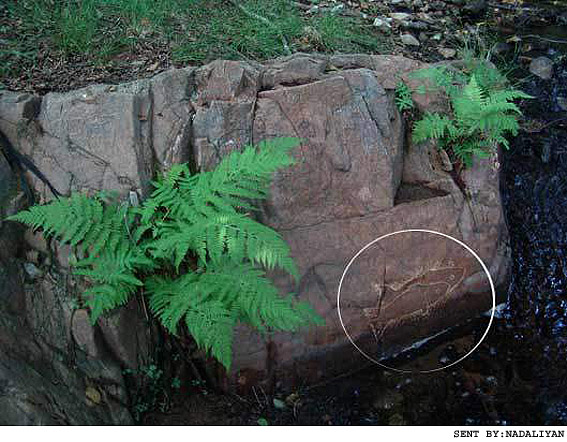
column 195, row 232
column 404, row 100
column 482, row 113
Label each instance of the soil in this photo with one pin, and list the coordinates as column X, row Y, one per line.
column 496, row 385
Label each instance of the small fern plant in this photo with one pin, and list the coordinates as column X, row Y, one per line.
column 191, row 246
column 482, row 113
column 403, row 98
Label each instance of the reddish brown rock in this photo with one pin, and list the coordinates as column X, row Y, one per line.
column 357, row 179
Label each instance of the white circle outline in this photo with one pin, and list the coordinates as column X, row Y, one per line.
column 434, row 233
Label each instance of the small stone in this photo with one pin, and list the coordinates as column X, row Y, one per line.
column 501, row 48
column 279, row 404
column 292, row 399
column 446, row 163
column 447, row 52
column 562, row 103
column 409, row 40
column 542, row 67
column 425, row 18
column 382, row 24
column 438, row 5
column 93, row 396
column 400, row 16
column 415, row 25
column 337, row 8
column 32, row 271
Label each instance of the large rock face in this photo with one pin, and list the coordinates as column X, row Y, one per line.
column 357, row 179
column 55, row 367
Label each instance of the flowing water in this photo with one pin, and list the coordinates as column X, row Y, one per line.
column 534, row 193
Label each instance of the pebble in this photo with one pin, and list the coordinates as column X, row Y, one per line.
column 501, row 48
column 415, row 25
column 542, row 67
column 32, row 270
column 409, row 40
column 425, row 18
column 337, row 8
column 400, row 16
column 446, row 163
column 437, row 5
column 382, row 23
column 447, row 52
column 279, row 404
column 93, row 396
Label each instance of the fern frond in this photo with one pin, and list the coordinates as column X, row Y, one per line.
column 247, row 288
column 403, row 98
column 212, row 328
column 433, row 126
column 208, row 320
column 106, row 297
column 473, row 92
column 66, row 219
column 226, row 292
column 79, row 219
column 503, row 95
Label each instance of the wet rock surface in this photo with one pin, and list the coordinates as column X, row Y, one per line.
column 534, row 197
